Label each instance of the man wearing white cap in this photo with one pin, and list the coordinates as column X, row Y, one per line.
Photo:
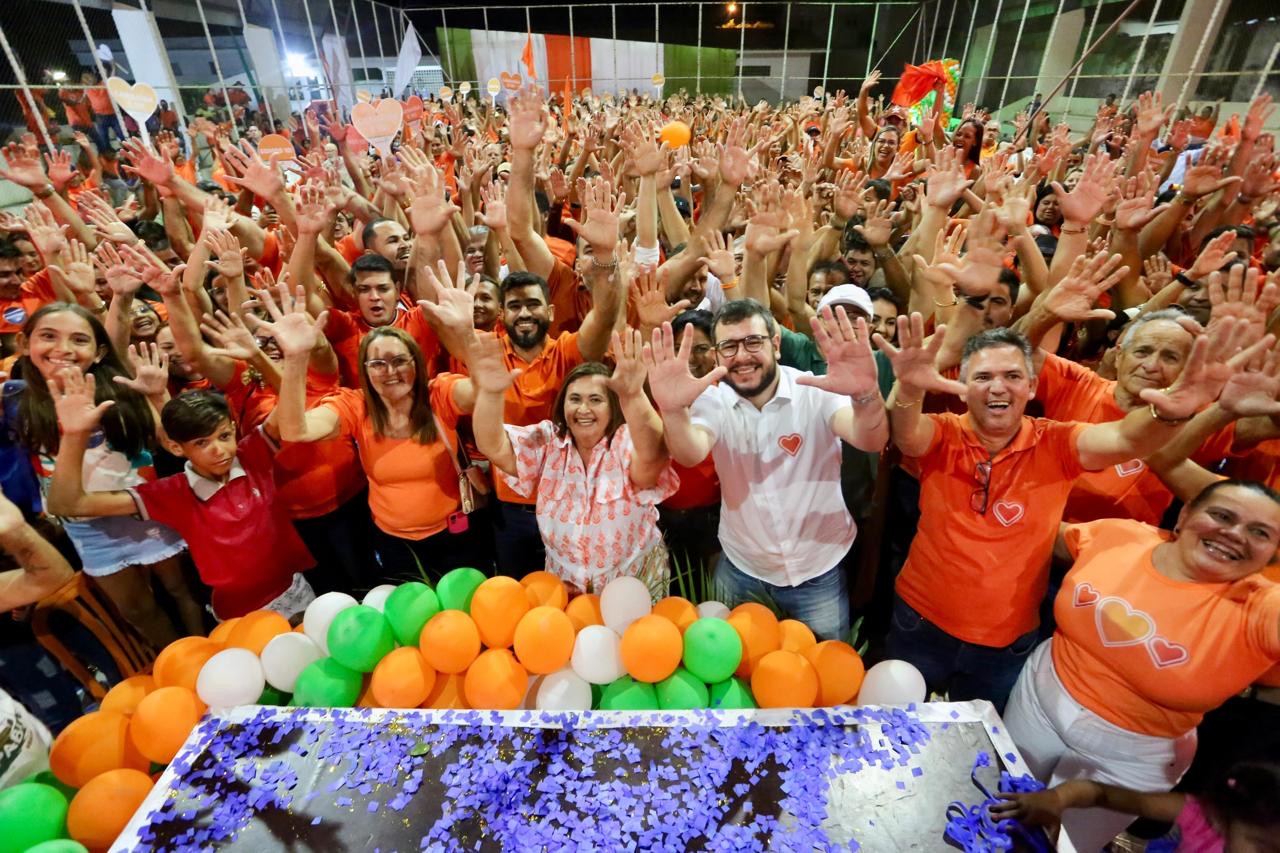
column 775, row 435
column 801, row 351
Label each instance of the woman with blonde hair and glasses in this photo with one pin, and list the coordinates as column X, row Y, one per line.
column 404, row 427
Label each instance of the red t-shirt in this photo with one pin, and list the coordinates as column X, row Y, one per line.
column 243, row 544
column 699, row 485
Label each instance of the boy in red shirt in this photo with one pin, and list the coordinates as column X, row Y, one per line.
column 224, row 504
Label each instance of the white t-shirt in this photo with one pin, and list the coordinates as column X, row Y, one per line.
column 24, row 743
column 783, row 518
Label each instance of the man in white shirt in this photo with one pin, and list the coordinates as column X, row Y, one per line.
column 775, row 434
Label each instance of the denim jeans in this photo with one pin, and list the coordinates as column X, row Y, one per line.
column 965, row 670
column 822, row 603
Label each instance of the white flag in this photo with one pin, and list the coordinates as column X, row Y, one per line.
column 410, row 54
column 338, row 62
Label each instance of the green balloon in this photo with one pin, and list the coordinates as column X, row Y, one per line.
column 627, row 694
column 456, row 588
column 359, row 637
column 59, row 845
column 30, row 814
column 325, row 683
column 409, row 607
column 712, row 649
column 46, row 777
column 271, row 696
column 597, row 692
column 681, row 691
column 732, row 693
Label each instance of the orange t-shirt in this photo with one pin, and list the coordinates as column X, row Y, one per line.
column 348, row 248
column 999, row 558
column 346, row 329
column 314, row 478
column 571, row 299
column 249, row 397
column 1149, row 653
column 187, row 171
column 413, row 488
column 531, row 396
column 100, row 100
column 1130, row 489
column 77, row 107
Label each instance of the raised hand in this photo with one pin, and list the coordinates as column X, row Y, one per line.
column 1206, row 177
column 295, row 332
column 737, row 164
column 314, row 210
column 601, row 211
column 913, row 361
column 528, row 123
column 651, row 302
column 1241, row 299
column 1085, row 202
column 1152, row 114
column 231, row 337
column 259, row 176
column 720, row 261
column 877, row 228
column 629, row 373
column 102, row 216
column 217, row 214
column 76, row 273
column 1214, row 356
column 228, row 258
column 1260, row 110
column 1072, row 299
column 945, row 186
column 120, row 277
column 146, row 165
column 1137, row 204
column 73, row 400
column 765, row 232
column 673, row 386
column 22, row 166
column 46, row 234
column 454, row 306
column 870, row 83
column 1254, row 388
column 431, row 212
column 494, row 212
column 487, row 364
column 1214, row 256
column 60, row 169
column 150, row 370
column 152, row 270
column 851, row 367
column 848, row 198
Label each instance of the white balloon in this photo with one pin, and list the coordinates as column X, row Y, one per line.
column 377, row 597
column 597, row 655
column 319, row 616
column 286, row 656
column 229, row 678
column 564, row 690
column 712, row 610
column 892, row 682
column 528, row 703
column 623, row 601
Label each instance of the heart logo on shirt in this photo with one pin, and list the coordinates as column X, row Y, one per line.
column 1085, row 595
column 1165, row 653
column 791, row 443
column 1008, row 513
column 1133, row 466
column 1121, row 625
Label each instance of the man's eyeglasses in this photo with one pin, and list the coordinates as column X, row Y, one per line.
column 978, row 500
column 382, row 366
column 751, row 343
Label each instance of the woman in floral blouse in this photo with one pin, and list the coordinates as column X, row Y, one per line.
column 599, row 466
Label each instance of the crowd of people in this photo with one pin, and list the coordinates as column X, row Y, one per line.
column 1023, row 378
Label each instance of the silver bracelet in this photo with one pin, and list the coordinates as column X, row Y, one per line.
column 867, row 398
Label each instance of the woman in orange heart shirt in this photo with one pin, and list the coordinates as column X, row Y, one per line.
column 1154, row 630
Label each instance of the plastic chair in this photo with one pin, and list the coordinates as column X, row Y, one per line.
column 86, row 604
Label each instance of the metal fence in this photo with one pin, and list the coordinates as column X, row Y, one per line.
column 1199, row 51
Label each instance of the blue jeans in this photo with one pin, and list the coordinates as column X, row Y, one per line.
column 822, row 603
column 965, row 670
column 516, row 541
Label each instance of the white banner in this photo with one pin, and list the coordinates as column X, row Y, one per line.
column 410, row 55
column 334, row 49
column 148, row 60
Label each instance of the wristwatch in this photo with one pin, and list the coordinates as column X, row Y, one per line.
column 44, row 192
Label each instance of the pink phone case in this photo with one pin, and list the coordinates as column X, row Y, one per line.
column 459, row 523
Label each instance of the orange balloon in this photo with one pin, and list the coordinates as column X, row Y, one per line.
column 795, row 636
column 584, row 610
column 223, row 630
column 163, row 721
column 679, row 610
column 366, row 699
column 92, row 745
column 300, row 629
column 496, row 680
column 447, row 693
column 180, row 662
column 784, row 680
column 544, row 588
column 256, row 629
column 402, row 679
column 497, row 606
column 840, row 671
column 450, row 641
column 675, row 134
column 544, row 640
column 758, row 628
column 101, row 809
column 651, row 648
column 126, row 695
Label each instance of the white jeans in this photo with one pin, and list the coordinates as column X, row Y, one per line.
column 1060, row 740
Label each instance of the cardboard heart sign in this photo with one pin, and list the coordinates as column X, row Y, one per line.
column 378, row 122
column 363, row 96
column 356, row 142
column 275, row 145
column 138, row 100
column 446, row 93
column 511, row 82
column 413, row 113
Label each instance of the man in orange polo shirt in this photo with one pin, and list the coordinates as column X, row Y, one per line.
column 993, row 484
